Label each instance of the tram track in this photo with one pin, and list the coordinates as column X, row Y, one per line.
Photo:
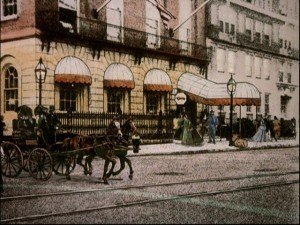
column 155, row 200
column 147, row 185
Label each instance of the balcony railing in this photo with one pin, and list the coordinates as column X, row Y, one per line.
column 245, row 40
column 48, row 22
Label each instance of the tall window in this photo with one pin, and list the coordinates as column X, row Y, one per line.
column 152, row 25
column 284, row 100
column 152, row 103
column 11, row 89
column 266, row 70
column 185, row 8
column 257, row 67
column 67, row 96
column 114, row 101
column 220, row 59
column 248, row 27
column 289, row 78
column 231, row 62
column 114, row 14
column 267, row 101
column 248, row 65
column 9, row 9
column 280, row 79
column 156, row 101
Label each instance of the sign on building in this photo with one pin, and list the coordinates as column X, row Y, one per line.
column 180, row 98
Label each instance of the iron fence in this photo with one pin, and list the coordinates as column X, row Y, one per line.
column 151, row 127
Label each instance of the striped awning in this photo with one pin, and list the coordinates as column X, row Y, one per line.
column 72, row 70
column 118, row 75
column 210, row 93
column 157, row 80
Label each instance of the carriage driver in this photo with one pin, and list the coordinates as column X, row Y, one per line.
column 53, row 124
column 42, row 128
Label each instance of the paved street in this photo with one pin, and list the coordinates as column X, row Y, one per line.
column 229, row 170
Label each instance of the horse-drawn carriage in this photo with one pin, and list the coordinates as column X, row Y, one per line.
column 25, row 150
column 28, row 149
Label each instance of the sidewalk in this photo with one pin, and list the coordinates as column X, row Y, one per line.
column 221, row 146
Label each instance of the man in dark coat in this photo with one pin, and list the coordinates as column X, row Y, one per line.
column 53, row 124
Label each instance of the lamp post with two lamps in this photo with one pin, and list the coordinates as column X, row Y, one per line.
column 40, row 76
column 231, row 87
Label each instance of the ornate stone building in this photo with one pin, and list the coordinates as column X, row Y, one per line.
column 258, row 42
column 100, row 55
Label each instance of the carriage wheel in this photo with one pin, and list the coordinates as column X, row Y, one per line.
column 40, row 164
column 11, row 159
column 26, row 160
column 60, row 164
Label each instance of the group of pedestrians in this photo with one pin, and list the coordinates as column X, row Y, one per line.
column 185, row 131
column 267, row 130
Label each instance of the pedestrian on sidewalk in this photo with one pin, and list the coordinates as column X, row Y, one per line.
column 213, row 123
column 261, row 135
column 178, row 127
column 277, row 128
column 187, row 138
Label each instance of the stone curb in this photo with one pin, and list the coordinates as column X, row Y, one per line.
column 212, row 151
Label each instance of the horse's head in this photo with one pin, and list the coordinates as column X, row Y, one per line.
column 129, row 126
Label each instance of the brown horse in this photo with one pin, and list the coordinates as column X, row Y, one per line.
column 121, row 144
column 92, row 146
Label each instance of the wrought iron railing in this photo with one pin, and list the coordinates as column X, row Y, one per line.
column 150, row 127
column 245, row 40
column 48, row 21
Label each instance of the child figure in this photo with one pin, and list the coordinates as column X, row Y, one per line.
column 136, row 141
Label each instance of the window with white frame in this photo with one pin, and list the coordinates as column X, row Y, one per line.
column 156, row 101
column 284, row 100
column 248, row 27
column 266, row 69
column 11, row 89
column 267, row 34
column 248, row 108
column 9, row 9
column 267, row 103
column 258, row 30
column 231, row 62
column 257, row 67
column 73, row 97
column 152, row 25
column 114, row 100
column 248, row 65
column 114, row 14
column 185, row 8
column 281, row 73
column 220, row 59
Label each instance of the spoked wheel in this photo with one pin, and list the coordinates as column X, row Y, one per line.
column 11, row 159
column 40, row 164
column 60, row 164
column 26, row 160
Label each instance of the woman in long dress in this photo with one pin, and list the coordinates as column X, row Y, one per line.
column 187, row 138
column 261, row 135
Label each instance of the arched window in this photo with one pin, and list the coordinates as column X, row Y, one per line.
column 11, row 89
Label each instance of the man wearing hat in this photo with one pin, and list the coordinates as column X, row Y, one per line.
column 213, row 122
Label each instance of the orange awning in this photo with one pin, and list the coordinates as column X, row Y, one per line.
column 71, row 78
column 157, row 80
column 118, row 75
column 72, row 70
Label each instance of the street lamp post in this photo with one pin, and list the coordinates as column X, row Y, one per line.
column 40, row 76
column 231, row 86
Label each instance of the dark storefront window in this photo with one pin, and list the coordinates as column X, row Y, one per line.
column 67, row 99
column 114, row 101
